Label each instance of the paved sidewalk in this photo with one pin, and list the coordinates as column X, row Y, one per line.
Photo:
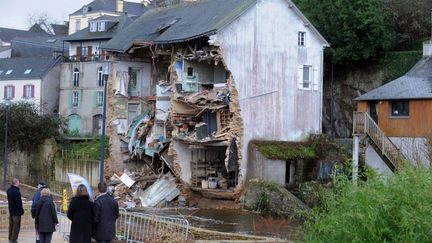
column 29, row 237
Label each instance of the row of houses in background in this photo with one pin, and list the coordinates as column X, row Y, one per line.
column 190, row 85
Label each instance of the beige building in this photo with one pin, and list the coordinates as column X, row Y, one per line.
column 79, row 20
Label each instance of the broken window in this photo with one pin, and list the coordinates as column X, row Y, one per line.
column 132, row 112
column 133, row 82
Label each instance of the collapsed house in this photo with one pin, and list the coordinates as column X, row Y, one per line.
column 222, row 73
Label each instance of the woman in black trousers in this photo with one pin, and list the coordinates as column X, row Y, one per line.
column 81, row 213
column 45, row 216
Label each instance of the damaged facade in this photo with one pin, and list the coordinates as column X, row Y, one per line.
column 222, row 74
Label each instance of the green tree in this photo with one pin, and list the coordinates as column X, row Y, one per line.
column 356, row 29
column 410, row 21
column 28, row 127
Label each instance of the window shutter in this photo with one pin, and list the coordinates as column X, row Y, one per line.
column 78, row 51
column 24, row 91
column 95, row 99
column 5, row 92
column 70, row 103
column 300, row 77
column 90, row 52
column 32, row 87
column 13, row 92
column 315, row 79
column 79, row 99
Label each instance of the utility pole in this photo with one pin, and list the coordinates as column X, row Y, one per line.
column 5, row 145
column 102, row 162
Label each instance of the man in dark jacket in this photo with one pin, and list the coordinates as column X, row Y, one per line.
column 106, row 214
column 15, row 210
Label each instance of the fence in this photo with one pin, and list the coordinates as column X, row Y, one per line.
column 27, row 222
column 139, row 227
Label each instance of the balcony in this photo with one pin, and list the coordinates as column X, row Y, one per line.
column 88, row 58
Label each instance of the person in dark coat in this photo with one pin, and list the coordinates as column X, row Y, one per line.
column 36, row 197
column 106, row 214
column 15, row 210
column 45, row 216
column 81, row 213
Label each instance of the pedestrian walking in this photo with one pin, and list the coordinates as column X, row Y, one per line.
column 81, row 213
column 15, row 210
column 36, row 197
column 45, row 216
column 106, row 214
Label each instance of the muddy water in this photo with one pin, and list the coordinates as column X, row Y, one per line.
column 236, row 221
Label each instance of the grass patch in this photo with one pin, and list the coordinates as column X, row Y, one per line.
column 89, row 148
column 286, row 150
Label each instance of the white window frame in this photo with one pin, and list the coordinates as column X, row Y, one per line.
column 93, row 26
column 100, row 77
column 75, row 99
column 9, row 92
column 28, row 91
column 27, row 71
column 307, row 84
column 84, row 51
column 9, row 71
column 101, row 26
column 75, row 78
column 301, row 38
column 99, row 98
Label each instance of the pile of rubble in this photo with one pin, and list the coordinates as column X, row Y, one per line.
column 142, row 188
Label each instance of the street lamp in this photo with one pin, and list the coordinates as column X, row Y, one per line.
column 105, row 82
column 5, row 145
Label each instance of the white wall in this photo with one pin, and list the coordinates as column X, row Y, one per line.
column 261, row 50
column 184, row 157
column 374, row 161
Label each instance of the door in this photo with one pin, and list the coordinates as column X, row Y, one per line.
column 74, row 124
column 373, row 110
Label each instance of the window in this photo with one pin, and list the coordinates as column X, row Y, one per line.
column 78, row 25
column 100, row 77
column 84, row 51
column 301, row 38
column 28, row 91
column 75, row 99
column 133, row 82
column 133, row 111
column 75, row 78
column 9, row 92
column 100, row 99
column 101, row 26
column 9, row 71
column 93, row 27
column 1, row 71
column 27, row 71
column 399, row 108
column 307, row 77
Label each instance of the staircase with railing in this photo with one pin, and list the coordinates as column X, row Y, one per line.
column 363, row 124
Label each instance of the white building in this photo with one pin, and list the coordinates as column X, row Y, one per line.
column 31, row 79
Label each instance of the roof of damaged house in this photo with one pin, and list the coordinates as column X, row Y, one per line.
column 117, row 23
column 7, row 34
column 185, row 21
column 279, row 150
column 416, row 84
column 38, row 46
column 110, row 6
column 26, row 68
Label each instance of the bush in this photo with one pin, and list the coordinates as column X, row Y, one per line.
column 395, row 209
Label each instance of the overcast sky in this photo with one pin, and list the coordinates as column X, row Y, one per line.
column 14, row 13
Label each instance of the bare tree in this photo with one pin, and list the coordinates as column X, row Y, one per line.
column 38, row 22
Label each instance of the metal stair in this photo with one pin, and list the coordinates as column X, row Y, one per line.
column 363, row 124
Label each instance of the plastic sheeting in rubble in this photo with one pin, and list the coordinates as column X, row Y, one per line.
column 164, row 188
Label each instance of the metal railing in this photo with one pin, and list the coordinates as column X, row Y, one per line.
column 364, row 124
column 27, row 222
column 139, row 227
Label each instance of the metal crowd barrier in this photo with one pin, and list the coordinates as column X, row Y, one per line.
column 139, row 227
column 27, row 222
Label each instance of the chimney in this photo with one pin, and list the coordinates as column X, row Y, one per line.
column 119, row 6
